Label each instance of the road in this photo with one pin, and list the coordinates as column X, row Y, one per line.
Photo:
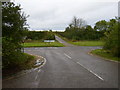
column 67, row 67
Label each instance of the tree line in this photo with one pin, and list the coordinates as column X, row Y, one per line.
column 108, row 31
column 79, row 30
column 40, row 35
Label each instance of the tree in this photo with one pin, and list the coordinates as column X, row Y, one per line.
column 101, row 26
column 13, row 32
column 78, row 22
column 88, row 27
column 81, row 23
column 13, row 22
column 78, row 30
column 112, row 42
column 111, row 24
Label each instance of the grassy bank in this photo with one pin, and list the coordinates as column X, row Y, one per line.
column 105, row 54
column 26, row 61
column 42, row 44
column 88, row 43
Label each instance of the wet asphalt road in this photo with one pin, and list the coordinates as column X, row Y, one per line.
column 68, row 67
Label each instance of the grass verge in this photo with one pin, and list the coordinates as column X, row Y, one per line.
column 42, row 44
column 27, row 62
column 88, row 43
column 105, row 54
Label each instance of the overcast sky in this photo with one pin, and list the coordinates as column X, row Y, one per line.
column 57, row 14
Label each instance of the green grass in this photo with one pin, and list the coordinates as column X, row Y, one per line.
column 83, row 43
column 88, row 43
column 26, row 62
column 42, row 44
column 105, row 54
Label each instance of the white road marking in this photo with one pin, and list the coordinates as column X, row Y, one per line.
column 55, row 47
column 35, row 69
column 39, row 70
column 43, row 63
column 91, row 72
column 37, row 74
column 96, row 75
column 67, row 56
column 36, row 77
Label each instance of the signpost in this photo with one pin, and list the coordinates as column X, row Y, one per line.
column 49, row 40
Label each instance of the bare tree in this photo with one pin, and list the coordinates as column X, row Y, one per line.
column 81, row 23
column 74, row 22
column 78, row 22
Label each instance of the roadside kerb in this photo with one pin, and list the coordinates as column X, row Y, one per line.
column 27, row 71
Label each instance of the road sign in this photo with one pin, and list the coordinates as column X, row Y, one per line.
column 49, row 40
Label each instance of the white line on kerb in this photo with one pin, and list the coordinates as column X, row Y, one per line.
column 91, row 72
column 35, row 69
column 67, row 56
column 39, row 70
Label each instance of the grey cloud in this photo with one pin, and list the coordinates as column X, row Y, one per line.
column 57, row 14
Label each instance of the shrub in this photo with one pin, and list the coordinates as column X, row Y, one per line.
column 112, row 41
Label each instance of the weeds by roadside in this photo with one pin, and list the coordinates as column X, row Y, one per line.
column 105, row 54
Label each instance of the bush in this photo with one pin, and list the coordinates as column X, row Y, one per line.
column 13, row 32
column 50, row 36
column 40, row 35
column 112, row 41
column 11, row 54
column 16, row 59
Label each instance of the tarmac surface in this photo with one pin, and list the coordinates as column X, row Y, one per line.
column 67, row 67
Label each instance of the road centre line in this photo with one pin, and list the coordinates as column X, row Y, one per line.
column 91, row 72
column 67, row 56
column 37, row 74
